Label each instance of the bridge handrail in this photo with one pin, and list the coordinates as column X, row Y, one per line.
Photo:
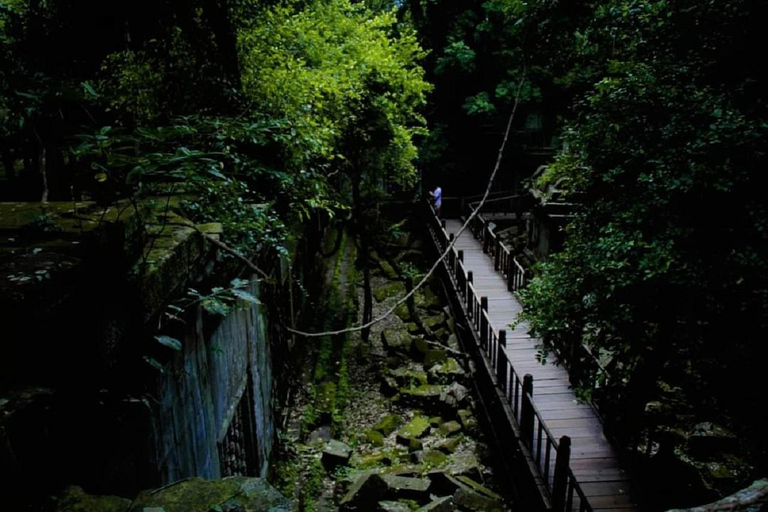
column 550, row 455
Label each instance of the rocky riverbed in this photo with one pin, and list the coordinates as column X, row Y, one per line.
column 404, row 435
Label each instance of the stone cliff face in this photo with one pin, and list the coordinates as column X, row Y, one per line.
column 83, row 292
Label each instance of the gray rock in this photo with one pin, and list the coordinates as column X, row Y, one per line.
column 454, row 395
column 467, row 420
column 393, row 506
column 396, row 340
column 444, row 504
column 425, row 397
column 365, row 493
column 407, row 377
column 471, row 500
column 453, row 341
column 465, row 463
column 335, row 454
column 233, row 494
column 446, row 372
column 407, row 488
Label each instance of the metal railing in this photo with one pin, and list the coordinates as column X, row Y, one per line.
column 551, row 456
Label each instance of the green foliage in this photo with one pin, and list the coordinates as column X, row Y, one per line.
column 665, row 261
column 346, row 82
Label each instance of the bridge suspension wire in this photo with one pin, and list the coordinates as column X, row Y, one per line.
column 448, row 249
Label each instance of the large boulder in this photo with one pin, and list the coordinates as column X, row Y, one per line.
column 396, row 340
column 388, row 424
column 407, row 488
column 74, row 499
column 393, row 506
column 335, row 454
column 444, row 504
column 408, row 377
column 391, row 289
column 417, row 428
column 450, row 428
column 198, row 495
column 464, row 463
column 426, row 396
column 454, row 395
column 365, row 493
column 445, row 372
column 434, row 322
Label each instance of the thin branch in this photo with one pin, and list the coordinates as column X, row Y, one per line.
column 221, row 245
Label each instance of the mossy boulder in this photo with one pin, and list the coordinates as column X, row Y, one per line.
column 444, row 504
column 441, row 335
column 467, row 420
column 393, row 506
column 374, row 437
column 402, row 313
column 407, row 488
column 388, row 424
column 464, row 463
column 426, row 396
column 371, row 460
column 469, row 499
column 419, row 347
column 415, row 445
column 445, row 372
column 449, row 446
column 416, row 428
column 450, row 428
column 391, row 289
column 198, row 495
column 434, row 322
column 396, row 340
column 434, row 458
column 408, row 377
column 434, row 356
column 388, row 270
column 74, row 499
column 478, row 487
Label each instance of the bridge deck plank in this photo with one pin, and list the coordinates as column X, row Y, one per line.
column 593, row 461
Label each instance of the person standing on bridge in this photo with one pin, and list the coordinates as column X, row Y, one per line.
column 438, row 195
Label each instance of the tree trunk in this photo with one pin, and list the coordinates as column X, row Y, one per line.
column 362, row 233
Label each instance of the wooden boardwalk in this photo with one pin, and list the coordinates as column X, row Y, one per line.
column 593, row 461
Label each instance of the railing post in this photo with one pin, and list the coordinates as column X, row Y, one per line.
column 496, row 253
column 501, row 361
column 451, row 259
column 526, row 413
column 486, row 239
column 461, row 256
column 560, row 480
column 470, row 280
column 442, row 223
column 483, row 323
column 510, row 273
